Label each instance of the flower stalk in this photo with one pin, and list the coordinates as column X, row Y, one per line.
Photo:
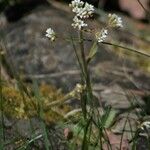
column 87, row 96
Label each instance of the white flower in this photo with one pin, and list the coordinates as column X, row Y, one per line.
column 79, row 88
column 76, row 4
column 50, row 34
column 82, row 10
column 102, row 35
column 86, row 11
column 146, row 125
column 114, row 21
column 78, row 23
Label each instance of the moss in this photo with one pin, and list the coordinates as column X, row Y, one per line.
column 15, row 105
column 50, row 92
column 65, row 108
column 52, row 117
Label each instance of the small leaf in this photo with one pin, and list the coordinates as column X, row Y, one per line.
column 110, row 118
column 78, row 129
column 92, row 52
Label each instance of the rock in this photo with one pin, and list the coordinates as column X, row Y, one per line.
column 31, row 53
column 17, row 10
column 24, row 128
column 127, row 124
column 118, row 98
column 6, row 122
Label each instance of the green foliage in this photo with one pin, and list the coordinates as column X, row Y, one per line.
column 92, row 52
column 109, row 117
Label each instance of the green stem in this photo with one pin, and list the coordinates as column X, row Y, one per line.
column 83, row 58
column 85, row 68
column 41, row 116
column 78, row 58
column 85, row 142
column 85, row 75
column 129, row 49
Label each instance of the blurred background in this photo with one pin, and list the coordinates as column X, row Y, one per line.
column 15, row 9
column 24, row 22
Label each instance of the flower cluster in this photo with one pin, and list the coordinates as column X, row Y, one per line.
column 114, row 21
column 50, row 34
column 82, row 11
column 77, row 90
column 85, row 12
column 102, row 35
column 76, row 4
column 78, row 23
column 144, row 129
column 145, row 125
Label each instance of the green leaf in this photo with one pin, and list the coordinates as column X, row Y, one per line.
column 110, row 118
column 78, row 129
column 92, row 52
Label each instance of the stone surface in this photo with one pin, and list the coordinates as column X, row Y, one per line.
column 33, row 54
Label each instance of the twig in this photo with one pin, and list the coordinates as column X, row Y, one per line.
column 58, row 102
column 73, row 112
column 143, row 7
column 52, row 75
